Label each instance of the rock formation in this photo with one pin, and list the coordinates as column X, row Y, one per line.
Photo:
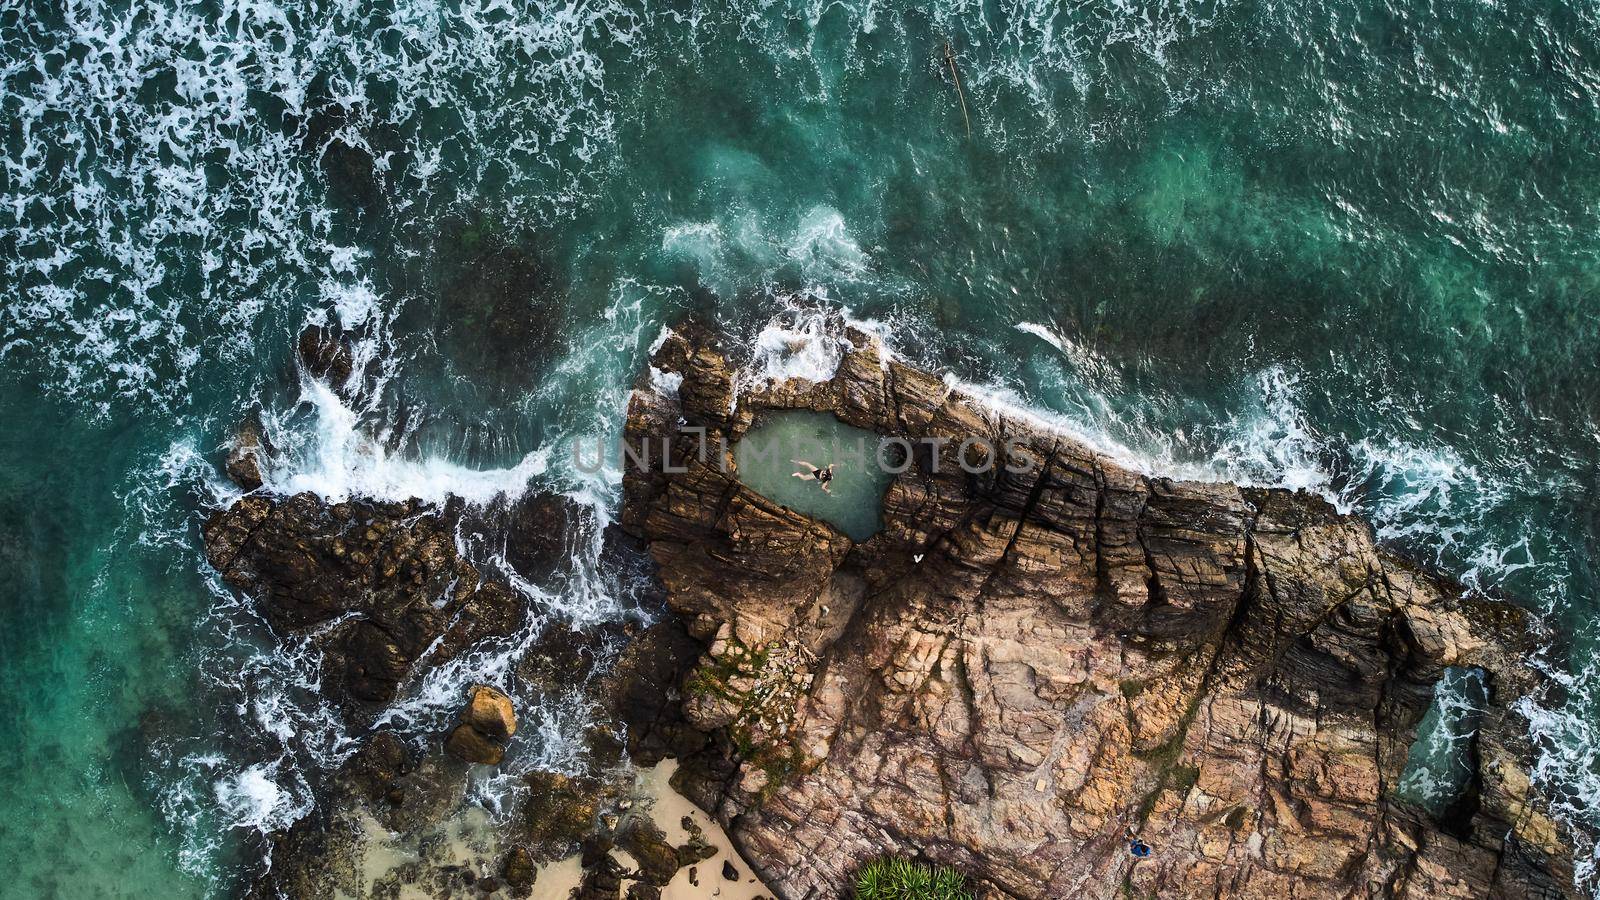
column 359, row 581
column 244, row 456
column 487, row 722
column 382, row 591
column 1031, row 660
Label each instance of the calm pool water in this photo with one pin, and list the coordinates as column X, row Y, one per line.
column 854, row 501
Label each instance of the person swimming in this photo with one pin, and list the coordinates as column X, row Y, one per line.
column 820, row 474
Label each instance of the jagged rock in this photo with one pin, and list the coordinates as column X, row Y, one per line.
column 641, row 890
column 602, row 881
column 695, row 850
column 647, row 844
column 729, row 872
column 641, row 692
column 1028, row 661
column 519, row 871
column 594, row 847
column 560, row 809
column 537, row 533
column 388, row 787
column 490, row 711
column 326, row 353
column 378, row 588
column 542, row 532
column 244, row 457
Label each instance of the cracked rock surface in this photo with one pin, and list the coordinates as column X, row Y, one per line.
column 1027, row 662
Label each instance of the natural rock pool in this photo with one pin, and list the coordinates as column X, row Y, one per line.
column 1441, row 763
column 854, row 502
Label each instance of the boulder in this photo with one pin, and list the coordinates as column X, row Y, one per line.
column 647, row 844
column 490, row 712
column 518, row 870
column 244, row 457
column 327, row 353
column 487, row 722
column 602, row 881
column 471, row 745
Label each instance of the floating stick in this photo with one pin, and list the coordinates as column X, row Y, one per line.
column 950, row 57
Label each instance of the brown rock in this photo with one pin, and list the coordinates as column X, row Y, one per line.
column 361, row 581
column 489, row 711
column 647, row 844
column 326, row 353
column 641, row 890
column 468, row 743
column 518, row 870
column 1025, row 663
column 560, row 809
column 603, row 881
column 244, row 457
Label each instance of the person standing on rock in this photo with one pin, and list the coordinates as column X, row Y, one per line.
column 822, row 476
column 1137, row 848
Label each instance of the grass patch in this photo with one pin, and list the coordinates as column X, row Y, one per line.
column 1184, row 778
column 895, row 878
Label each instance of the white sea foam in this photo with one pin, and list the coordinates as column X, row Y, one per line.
column 741, row 249
column 806, row 348
column 254, row 798
column 216, row 216
column 338, row 457
column 1274, row 445
column 824, row 246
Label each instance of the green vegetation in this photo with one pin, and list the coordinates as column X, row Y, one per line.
column 895, row 878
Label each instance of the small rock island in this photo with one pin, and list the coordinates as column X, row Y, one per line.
column 1020, row 670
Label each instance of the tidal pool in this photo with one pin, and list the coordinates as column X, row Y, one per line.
column 1442, row 763
column 854, row 502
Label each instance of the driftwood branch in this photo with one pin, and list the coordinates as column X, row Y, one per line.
column 950, row 59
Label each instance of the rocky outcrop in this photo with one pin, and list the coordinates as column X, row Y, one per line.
column 382, row 592
column 397, row 818
column 378, row 588
column 1033, row 658
column 327, row 353
column 244, row 456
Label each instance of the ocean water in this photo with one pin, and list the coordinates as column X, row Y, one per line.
column 1351, row 246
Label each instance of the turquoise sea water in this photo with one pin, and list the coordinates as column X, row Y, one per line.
column 1351, row 245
